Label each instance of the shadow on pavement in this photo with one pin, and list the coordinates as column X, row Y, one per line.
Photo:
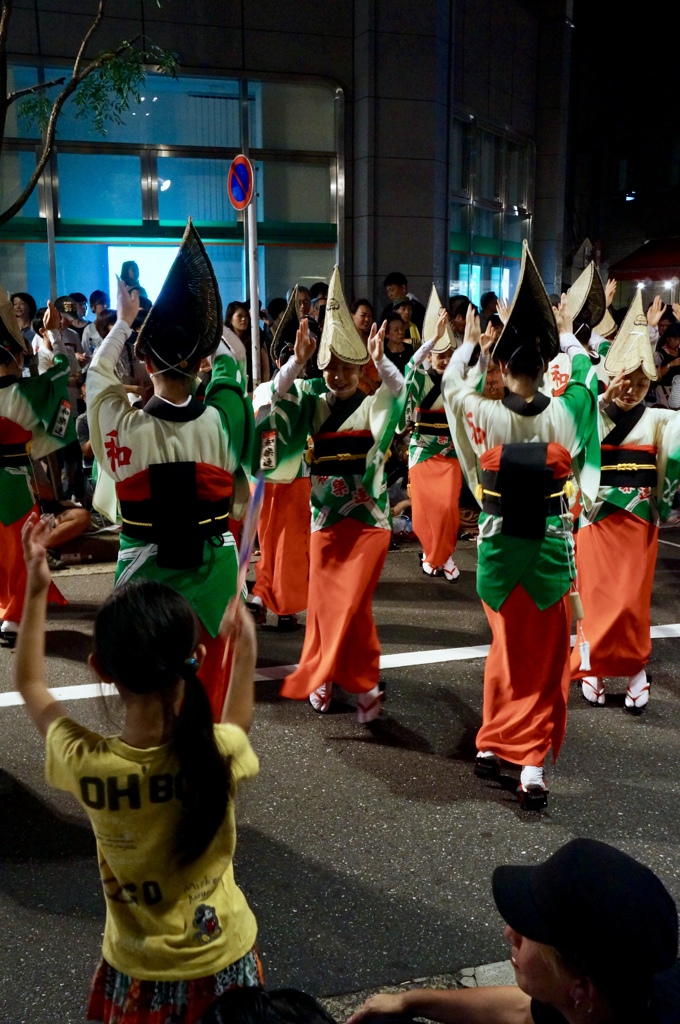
column 323, row 930
column 69, row 644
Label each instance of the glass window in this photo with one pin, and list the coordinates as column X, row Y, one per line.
column 99, row 187
column 227, row 261
column 19, row 76
column 292, row 116
column 516, row 175
column 82, row 267
column 285, row 266
column 192, row 187
column 460, row 157
column 15, row 170
column 185, row 111
column 300, row 193
column 25, row 269
column 488, row 166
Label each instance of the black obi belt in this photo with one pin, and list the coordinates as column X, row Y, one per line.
column 341, row 454
column 523, row 491
column 431, row 422
column 174, row 517
column 623, row 467
column 14, row 455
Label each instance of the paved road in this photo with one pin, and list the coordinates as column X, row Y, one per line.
column 366, row 853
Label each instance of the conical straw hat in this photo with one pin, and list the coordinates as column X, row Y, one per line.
column 12, row 332
column 531, row 315
column 286, row 329
column 189, row 299
column 434, row 308
column 631, row 347
column 339, row 336
column 607, row 325
column 586, row 298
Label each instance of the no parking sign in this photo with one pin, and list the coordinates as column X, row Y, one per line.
column 240, row 182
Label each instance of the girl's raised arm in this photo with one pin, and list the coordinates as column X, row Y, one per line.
column 29, row 659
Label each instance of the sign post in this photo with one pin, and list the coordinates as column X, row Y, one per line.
column 241, row 191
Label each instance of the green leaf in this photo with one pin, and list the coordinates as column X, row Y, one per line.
column 35, row 111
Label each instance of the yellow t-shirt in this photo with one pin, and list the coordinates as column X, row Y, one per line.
column 163, row 922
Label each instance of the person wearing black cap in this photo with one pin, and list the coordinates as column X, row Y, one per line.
column 594, row 940
column 179, row 465
column 517, row 455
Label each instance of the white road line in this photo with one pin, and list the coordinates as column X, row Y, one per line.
column 670, row 543
column 274, row 672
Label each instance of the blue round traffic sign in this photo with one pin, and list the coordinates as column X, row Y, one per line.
column 240, row 182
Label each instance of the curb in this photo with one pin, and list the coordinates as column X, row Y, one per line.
column 501, row 973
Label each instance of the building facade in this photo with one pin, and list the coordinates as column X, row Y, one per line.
column 428, row 138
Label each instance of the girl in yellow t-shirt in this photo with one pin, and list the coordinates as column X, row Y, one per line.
column 160, row 796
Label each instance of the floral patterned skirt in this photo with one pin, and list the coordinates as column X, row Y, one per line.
column 116, row 998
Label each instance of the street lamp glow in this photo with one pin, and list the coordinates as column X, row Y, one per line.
column 165, row 184
column 641, row 284
column 668, row 284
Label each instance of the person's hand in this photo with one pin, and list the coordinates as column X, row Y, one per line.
column 473, row 330
column 52, row 317
column 128, row 303
column 487, row 340
column 503, row 309
column 676, row 310
column 441, row 324
column 35, row 538
column 82, row 358
column 610, row 291
column 376, row 342
column 305, row 345
column 656, row 311
column 383, row 1003
column 238, row 625
column 565, row 321
column 616, row 388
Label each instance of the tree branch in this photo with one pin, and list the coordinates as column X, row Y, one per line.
column 48, row 143
column 88, row 35
column 20, row 93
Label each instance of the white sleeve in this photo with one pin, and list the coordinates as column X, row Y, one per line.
column 460, row 358
column 231, row 346
column 287, row 374
column 111, row 347
column 58, row 345
column 654, row 335
column 571, row 346
column 390, row 374
column 595, row 341
column 421, row 353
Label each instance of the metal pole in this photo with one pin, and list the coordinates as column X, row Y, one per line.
column 254, row 292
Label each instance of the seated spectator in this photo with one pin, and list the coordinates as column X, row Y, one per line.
column 404, row 307
column 488, row 304
column 395, row 349
column 99, row 303
column 573, row 924
column 667, row 362
column 396, row 287
column 70, row 519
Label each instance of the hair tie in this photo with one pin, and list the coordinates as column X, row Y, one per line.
column 191, row 663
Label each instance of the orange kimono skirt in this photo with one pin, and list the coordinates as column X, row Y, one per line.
column 13, row 576
column 435, row 492
column 282, row 573
column 526, row 679
column 341, row 641
column 615, row 561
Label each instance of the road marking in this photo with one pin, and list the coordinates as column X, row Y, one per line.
column 406, row 659
column 669, row 542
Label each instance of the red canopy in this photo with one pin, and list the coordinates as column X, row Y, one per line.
column 658, row 259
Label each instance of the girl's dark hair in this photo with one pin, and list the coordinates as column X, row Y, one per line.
column 361, row 302
column 526, row 361
column 28, row 299
column 231, row 309
column 125, row 271
column 145, row 635
column 38, row 319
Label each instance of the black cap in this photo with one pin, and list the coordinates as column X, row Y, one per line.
column 606, row 913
